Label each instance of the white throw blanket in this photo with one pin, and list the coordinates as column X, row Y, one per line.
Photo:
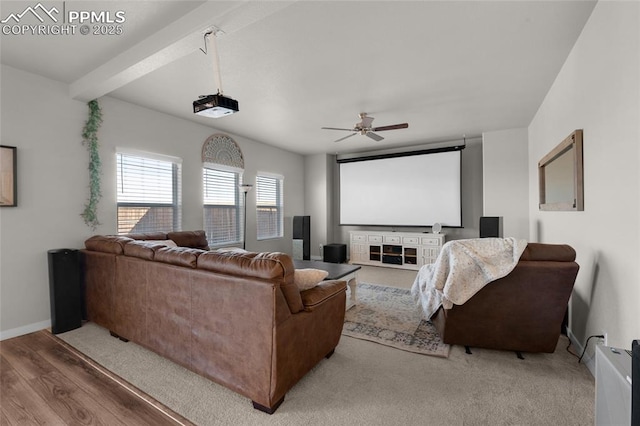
column 463, row 268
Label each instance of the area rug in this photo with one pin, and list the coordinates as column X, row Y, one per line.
column 390, row 316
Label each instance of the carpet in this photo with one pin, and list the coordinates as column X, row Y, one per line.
column 369, row 384
column 390, row 316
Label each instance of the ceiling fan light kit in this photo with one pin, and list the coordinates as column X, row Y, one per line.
column 218, row 105
column 364, row 128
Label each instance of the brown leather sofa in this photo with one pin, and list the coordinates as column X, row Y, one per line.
column 522, row 311
column 235, row 318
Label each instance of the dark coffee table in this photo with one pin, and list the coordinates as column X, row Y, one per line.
column 337, row 271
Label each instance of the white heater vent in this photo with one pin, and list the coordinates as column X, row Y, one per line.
column 613, row 386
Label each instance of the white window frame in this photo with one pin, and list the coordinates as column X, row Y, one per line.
column 278, row 232
column 234, row 235
column 128, row 200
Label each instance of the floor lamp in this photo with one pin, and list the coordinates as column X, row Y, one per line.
column 245, row 187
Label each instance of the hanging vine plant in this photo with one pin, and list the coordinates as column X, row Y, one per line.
column 90, row 140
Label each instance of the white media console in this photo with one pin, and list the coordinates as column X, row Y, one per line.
column 406, row 250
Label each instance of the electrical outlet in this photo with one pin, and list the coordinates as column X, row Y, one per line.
column 321, row 251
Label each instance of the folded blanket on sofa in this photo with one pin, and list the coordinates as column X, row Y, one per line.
column 463, row 268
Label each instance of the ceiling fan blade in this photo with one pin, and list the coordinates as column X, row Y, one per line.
column 336, row 128
column 348, row 136
column 392, row 127
column 375, row 137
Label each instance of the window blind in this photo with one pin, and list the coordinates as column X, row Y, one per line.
column 269, row 206
column 223, row 212
column 148, row 194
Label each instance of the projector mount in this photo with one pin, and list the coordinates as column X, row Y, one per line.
column 364, row 128
column 217, row 105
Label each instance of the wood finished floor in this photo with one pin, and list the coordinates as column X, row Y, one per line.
column 45, row 381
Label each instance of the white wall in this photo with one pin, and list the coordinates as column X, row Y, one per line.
column 505, row 180
column 53, row 183
column 598, row 90
column 317, row 199
column 45, row 125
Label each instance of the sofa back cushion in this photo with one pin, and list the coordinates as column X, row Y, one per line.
column 107, row 243
column 148, row 236
column 180, row 256
column 267, row 266
column 193, row 239
column 115, row 243
column 141, row 249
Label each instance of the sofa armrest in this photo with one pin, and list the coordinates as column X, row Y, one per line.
column 322, row 292
column 550, row 252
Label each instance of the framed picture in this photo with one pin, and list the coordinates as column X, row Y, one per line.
column 8, row 176
column 560, row 176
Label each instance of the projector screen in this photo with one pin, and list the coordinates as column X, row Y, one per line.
column 414, row 190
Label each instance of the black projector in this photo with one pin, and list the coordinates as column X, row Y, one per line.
column 215, row 106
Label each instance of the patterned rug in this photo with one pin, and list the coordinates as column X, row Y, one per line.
column 389, row 316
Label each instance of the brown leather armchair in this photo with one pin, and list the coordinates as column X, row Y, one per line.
column 522, row 311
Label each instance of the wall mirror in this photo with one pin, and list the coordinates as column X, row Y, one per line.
column 560, row 176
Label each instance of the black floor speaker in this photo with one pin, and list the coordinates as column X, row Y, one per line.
column 635, row 383
column 491, row 226
column 334, row 253
column 65, row 292
column 302, row 237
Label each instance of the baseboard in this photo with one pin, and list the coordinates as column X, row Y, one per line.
column 589, row 359
column 25, row 329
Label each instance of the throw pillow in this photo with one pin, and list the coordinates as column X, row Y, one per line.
column 308, row 278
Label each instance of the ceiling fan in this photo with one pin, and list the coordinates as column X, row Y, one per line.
column 364, row 128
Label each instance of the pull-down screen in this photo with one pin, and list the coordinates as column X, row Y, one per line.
column 415, row 190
